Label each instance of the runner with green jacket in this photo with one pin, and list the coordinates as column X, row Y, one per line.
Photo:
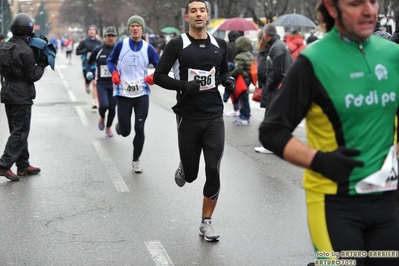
column 346, row 86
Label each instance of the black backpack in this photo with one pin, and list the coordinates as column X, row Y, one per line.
column 6, row 57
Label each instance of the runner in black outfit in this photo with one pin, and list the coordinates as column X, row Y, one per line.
column 103, row 76
column 200, row 67
column 84, row 49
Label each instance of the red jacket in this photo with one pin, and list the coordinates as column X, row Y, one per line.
column 296, row 45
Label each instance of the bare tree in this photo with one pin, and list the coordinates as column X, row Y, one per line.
column 268, row 9
column 161, row 13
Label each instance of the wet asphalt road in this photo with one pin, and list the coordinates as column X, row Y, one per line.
column 86, row 207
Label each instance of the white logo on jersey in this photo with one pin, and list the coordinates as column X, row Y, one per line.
column 381, row 72
column 371, row 98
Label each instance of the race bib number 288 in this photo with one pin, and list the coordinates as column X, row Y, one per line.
column 207, row 78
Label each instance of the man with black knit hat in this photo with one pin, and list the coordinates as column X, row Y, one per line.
column 98, row 58
column 128, row 64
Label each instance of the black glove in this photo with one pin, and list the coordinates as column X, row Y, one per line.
column 229, row 84
column 42, row 60
column 192, row 86
column 336, row 165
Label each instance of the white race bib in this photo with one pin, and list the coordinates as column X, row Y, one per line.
column 384, row 179
column 207, row 78
column 104, row 72
column 132, row 88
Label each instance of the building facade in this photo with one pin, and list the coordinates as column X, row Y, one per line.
column 31, row 7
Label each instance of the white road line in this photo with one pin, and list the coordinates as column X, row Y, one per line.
column 158, row 253
column 65, row 83
column 82, row 116
column 72, row 96
column 116, row 178
column 59, row 71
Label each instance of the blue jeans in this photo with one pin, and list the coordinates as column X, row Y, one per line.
column 245, row 110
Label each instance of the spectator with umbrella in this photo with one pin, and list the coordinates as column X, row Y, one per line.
column 231, row 54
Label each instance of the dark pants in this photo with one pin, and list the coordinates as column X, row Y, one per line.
column 125, row 108
column 106, row 101
column 355, row 223
column 195, row 136
column 16, row 149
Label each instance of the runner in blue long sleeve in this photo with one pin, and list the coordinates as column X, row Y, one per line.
column 128, row 64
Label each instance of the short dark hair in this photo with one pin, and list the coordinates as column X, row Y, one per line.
column 325, row 20
column 190, row 1
column 233, row 35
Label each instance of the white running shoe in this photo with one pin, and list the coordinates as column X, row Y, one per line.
column 233, row 113
column 206, row 230
column 136, row 167
column 262, row 150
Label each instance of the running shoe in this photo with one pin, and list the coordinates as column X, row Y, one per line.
column 87, row 88
column 108, row 132
column 233, row 113
column 94, row 104
column 136, row 167
column 179, row 176
column 206, row 230
column 242, row 122
column 101, row 125
column 262, row 150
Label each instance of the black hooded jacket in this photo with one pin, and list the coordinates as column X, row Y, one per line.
column 20, row 72
column 231, row 46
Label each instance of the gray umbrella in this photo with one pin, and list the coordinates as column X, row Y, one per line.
column 294, row 20
column 148, row 30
